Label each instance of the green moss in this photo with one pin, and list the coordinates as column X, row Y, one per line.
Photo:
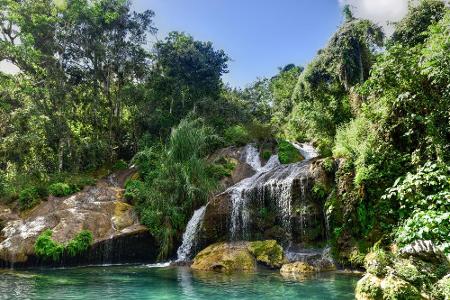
column 47, row 248
column 267, row 252
column 441, row 290
column 369, row 287
column 405, row 269
column 395, row 288
column 376, row 262
column 287, row 153
column 222, row 168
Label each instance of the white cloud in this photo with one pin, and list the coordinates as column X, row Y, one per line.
column 8, row 67
column 379, row 11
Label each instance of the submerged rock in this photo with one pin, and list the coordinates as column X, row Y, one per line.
column 225, row 257
column 298, row 267
column 99, row 209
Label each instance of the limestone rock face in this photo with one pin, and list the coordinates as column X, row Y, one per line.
column 225, row 257
column 99, row 209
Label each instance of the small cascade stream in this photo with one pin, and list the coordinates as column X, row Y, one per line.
column 184, row 252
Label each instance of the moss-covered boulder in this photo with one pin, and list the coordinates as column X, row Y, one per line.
column 395, row 288
column 225, row 257
column 441, row 290
column 269, row 253
column 368, row 288
column 409, row 271
column 376, row 262
column 298, row 267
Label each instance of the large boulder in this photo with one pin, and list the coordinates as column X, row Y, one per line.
column 100, row 209
column 369, row 288
column 225, row 257
column 298, row 267
column 268, row 253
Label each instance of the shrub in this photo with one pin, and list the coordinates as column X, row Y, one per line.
column 80, row 243
column 328, row 165
column 287, row 153
column 266, row 154
column 426, row 225
column 133, row 188
column 236, row 135
column 60, row 189
column 427, row 189
column 120, row 165
column 28, row 198
column 47, row 248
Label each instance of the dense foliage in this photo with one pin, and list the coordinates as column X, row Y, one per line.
column 47, row 248
column 175, row 179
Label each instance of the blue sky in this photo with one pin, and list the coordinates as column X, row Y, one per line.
column 259, row 35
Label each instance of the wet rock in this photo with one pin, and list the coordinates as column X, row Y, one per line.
column 225, row 257
column 268, row 253
column 298, row 267
column 279, row 204
column 99, row 209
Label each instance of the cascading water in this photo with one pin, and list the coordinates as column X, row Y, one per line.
column 272, row 181
column 184, row 252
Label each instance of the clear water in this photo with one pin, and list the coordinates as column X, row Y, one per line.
column 144, row 282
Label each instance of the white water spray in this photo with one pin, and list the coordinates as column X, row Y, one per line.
column 184, row 252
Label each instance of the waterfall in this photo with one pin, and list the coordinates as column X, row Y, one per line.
column 184, row 252
column 273, row 181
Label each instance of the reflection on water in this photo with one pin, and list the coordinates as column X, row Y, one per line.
column 143, row 282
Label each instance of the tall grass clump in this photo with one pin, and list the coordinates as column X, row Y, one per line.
column 174, row 181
